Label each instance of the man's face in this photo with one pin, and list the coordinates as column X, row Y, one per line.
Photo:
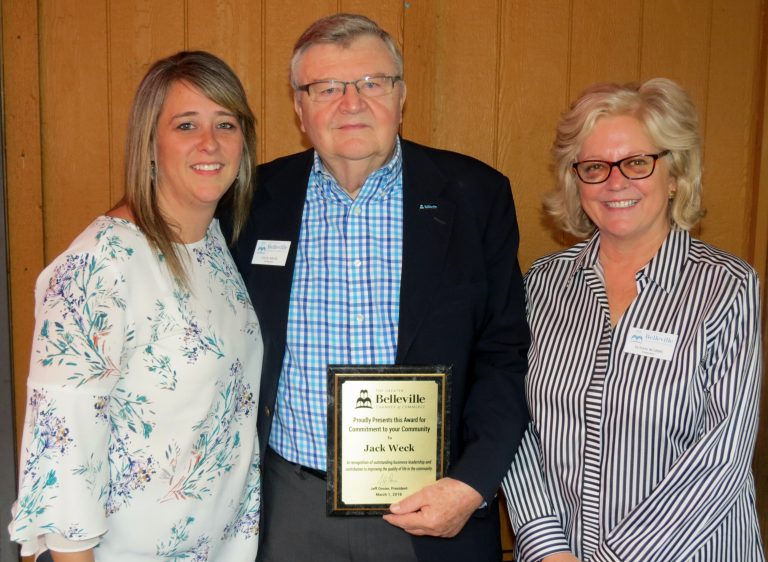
column 352, row 129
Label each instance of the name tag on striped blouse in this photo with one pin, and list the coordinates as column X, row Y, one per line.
column 650, row 344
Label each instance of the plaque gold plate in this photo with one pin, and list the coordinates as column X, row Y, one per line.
column 387, row 434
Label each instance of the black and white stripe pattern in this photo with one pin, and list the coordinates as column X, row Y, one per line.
column 637, row 458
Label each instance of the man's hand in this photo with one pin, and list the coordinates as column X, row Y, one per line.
column 560, row 557
column 440, row 509
column 82, row 556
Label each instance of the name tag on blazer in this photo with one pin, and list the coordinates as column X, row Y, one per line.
column 271, row 252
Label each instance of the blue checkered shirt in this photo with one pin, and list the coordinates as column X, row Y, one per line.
column 345, row 300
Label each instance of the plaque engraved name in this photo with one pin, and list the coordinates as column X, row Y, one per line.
column 386, row 434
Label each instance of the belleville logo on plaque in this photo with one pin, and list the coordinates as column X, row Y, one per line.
column 386, row 434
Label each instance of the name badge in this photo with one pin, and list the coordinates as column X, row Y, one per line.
column 271, row 252
column 651, row 344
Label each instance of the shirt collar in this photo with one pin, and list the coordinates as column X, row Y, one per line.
column 664, row 268
column 667, row 265
column 380, row 183
column 586, row 257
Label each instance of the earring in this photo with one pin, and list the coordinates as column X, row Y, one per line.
column 672, row 195
column 152, row 169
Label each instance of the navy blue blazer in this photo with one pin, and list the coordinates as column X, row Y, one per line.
column 461, row 303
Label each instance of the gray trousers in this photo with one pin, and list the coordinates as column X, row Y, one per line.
column 296, row 528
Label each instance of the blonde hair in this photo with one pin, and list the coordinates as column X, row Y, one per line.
column 215, row 80
column 670, row 119
column 342, row 29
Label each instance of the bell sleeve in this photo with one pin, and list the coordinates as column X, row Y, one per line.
column 81, row 334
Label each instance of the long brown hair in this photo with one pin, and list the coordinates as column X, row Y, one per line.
column 215, row 80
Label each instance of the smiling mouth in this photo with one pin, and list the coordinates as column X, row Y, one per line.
column 621, row 204
column 207, row 167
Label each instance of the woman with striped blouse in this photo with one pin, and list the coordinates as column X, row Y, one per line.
column 645, row 361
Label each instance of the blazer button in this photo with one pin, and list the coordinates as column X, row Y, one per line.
column 267, row 411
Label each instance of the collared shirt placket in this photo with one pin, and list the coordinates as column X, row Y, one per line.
column 593, row 453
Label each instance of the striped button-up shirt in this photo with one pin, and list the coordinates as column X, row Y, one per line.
column 642, row 434
column 345, row 300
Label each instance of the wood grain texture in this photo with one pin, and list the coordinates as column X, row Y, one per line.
column 462, row 48
column 730, row 136
column 675, row 44
column 534, row 37
column 605, row 42
column 74, row 78
column 24, row 187
column 419, row 30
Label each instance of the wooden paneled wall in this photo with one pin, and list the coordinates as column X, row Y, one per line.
column 486, row 77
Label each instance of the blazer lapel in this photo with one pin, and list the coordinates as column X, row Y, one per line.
column 279, row 207
column 427, row 225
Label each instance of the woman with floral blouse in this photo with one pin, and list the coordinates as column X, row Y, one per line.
column 140, row 435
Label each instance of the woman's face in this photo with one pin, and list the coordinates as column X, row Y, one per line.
column 199, row 145
column 624, row 210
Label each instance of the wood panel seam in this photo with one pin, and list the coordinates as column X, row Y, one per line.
column 110, row 121
column 495, row 145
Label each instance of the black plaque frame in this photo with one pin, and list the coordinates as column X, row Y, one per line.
column 337, row 376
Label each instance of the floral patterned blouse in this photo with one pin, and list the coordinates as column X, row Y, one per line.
column 140, row 424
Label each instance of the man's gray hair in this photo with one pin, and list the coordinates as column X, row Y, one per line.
column 342, row 29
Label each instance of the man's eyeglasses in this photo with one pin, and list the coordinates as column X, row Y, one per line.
column 367, row 86
column 637, row 167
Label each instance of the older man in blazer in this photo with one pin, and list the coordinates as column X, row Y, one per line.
column 370, row 249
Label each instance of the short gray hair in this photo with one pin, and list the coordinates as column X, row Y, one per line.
column 342, row 29
column 670, row 119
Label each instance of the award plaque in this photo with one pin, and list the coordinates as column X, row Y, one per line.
column 387, row 434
